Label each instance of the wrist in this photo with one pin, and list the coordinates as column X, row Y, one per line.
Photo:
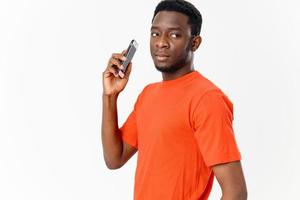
column 110, row 96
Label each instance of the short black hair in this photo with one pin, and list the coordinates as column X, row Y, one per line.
column 184, row 7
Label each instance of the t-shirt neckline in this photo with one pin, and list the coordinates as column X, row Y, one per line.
column 189, row 76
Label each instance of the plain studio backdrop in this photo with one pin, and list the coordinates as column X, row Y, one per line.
column 53, row 53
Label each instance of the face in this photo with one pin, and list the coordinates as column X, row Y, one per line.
column 170, row 42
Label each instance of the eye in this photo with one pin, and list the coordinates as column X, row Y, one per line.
column 175, row 35
column 154, row 34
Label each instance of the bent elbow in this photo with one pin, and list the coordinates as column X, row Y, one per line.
column 112, row 165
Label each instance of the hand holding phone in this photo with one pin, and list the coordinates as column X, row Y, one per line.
column 129, row 55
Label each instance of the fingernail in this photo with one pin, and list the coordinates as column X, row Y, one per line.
column 121, row 74
column 123, row 58
column 122, row 67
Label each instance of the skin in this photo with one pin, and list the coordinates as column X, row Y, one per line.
column 172, row 47
column 116, row 152
column 171, row 38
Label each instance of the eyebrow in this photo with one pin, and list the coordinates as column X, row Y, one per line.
column 171, row 28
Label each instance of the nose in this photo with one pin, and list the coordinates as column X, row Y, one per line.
column 162, row 42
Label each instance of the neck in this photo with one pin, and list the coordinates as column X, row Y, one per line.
column 180, row 72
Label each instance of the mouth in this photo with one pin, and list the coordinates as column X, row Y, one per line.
column 161, row 57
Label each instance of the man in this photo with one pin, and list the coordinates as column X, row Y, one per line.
column 181, row 126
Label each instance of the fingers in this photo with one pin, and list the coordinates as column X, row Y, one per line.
column 124, row 52
column 119, row 56
column 115, row 66
column 113, row 70
column 121, row 74
column 117, row 59
column 128, row 71
column 115, row 63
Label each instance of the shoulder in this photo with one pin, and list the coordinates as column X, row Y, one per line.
column 150, row 87
column 214, row 105
column 210, row 98
column 203, row 84
column 204, row 89
column 145, row 91
column 215, row 98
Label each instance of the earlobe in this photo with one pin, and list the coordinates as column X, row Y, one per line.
column 196, row 42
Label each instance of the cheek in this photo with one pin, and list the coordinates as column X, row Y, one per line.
column 181, row 50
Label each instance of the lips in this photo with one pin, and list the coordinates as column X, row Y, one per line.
column 161, row 57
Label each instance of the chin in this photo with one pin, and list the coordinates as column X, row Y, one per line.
column 167, row 69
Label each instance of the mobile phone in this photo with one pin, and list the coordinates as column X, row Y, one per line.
column 129, row 55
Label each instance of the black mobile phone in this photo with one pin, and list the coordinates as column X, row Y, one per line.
column 129, row 55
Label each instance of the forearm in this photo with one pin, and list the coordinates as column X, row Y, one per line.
column 111, row 140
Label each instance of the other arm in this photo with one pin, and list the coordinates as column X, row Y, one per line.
column 231, row 179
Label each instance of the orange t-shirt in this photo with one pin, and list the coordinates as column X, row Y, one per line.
column 181, row 128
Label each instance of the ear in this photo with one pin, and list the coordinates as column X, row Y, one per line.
column 196, row 41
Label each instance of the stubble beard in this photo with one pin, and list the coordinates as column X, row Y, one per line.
column 173, row 67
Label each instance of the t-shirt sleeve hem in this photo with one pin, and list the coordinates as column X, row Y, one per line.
column 227, row 159
column 128, row 141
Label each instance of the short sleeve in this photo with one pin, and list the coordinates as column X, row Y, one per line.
column 212, row 122
column 129, row 130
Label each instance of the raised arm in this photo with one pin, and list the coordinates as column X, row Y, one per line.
column 115, row 151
